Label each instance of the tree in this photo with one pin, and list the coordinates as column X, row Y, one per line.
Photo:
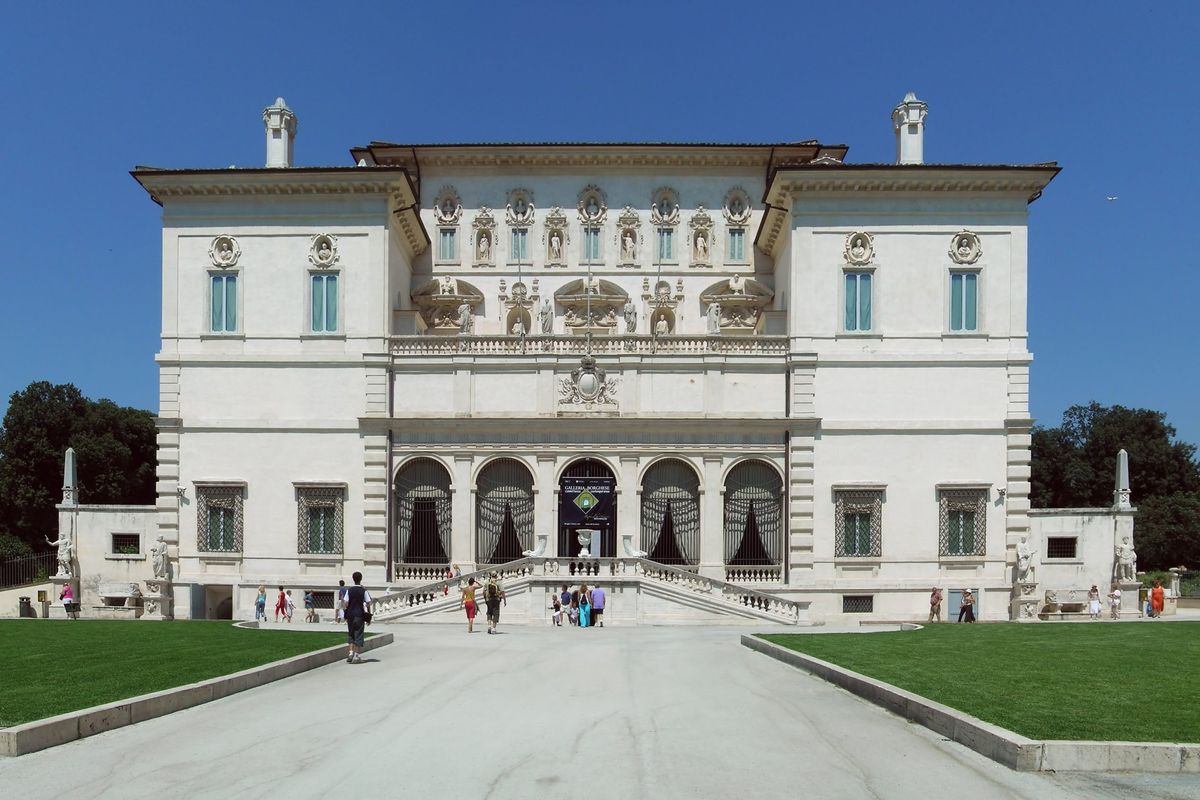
column 114, row 447
column 1168, row 531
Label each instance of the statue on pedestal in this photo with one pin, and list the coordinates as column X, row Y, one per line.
column 546, row 317
column 158, row 556
column 630, row 311
column 1126, row 561
column 65, row 552
column 714, row 318
column 465, row 318
column 1025, row 555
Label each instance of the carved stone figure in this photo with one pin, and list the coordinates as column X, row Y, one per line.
column 555, row 246
column 324, row 254
column 518, row 328
column 630, row 312
column 447, row 285
column 66, row 550
column 158, row 557
column 737, row 284
column 466, row 319
column 593, row 208
column 859, row 249
column 714, row 318
column 628, row 246
column 661, row 328
column 1126, row 567
column 965, row 248
column 224, row 251
column 484, row 251
column 588, row 384
column 546, row 317
column 1025, row 555
column 701, row 247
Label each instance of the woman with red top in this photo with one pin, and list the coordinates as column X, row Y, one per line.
column 1156, row 600
column 281, row 605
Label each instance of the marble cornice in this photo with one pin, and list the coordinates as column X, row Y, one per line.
column 578, row 157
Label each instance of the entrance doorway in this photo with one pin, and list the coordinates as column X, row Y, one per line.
column 587, row 499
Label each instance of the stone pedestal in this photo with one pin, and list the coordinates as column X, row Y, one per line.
column 1129, row 597
column 56, row 587
column 156, row 602
column 1025, row 603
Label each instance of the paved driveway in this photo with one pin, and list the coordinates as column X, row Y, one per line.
column 548, row 713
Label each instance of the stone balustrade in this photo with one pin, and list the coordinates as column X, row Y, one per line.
column 754, row 574
column 578, row 345
column 418, row 573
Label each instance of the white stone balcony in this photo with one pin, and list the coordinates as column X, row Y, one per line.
column 577, row 345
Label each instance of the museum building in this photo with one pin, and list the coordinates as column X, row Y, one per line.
column 749, row 365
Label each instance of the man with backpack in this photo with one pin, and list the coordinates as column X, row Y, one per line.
column 358, row 614
column 493, row 596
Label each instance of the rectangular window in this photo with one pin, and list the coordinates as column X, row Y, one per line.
column 963, row 517
column 219, row 519
column 126, row 544
column 858, row 603
column 320, row 519
column 737, row 244
column 520, row 249
column 858, row 525
column 447, row 250
column 591, row 244
column 964, row 301
column 858, row 301
column 223, row 302
column 324, row 302
column 666, row 244
column 1061, row 546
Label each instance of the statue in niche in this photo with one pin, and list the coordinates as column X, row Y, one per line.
column 484, row 250
column 628, row 246
column 714, row 318
column 736, row 207
column 546, row 317
column 737, row 284
column 661, row 328
column 324, row 254
column 555, row 246
column 465, row 318
column 158, row 555
column 1025, row 555
column 858, row 248
column 66, row 550
column 593, row 208
column 224, row 252
column 447, row 285
column 701, row 247
column 520, row 210
column 1126, row 567
column 518, row 328
column 664, row 207
column 448, row 208
column 630, row 312
column 965, row 248
column 593, row 285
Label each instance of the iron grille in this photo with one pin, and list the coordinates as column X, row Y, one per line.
column 1061, row 546
column 858, row 603
column 858, row 524
column 127, row 543
column 962, row 522
column 320, row 519
column 219, row 519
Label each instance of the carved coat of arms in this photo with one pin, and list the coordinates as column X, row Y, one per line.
column 588, row 384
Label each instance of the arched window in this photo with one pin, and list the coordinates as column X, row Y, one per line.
column 753, row 514
column 423, row 513
column 503, row 511
column 671, row 513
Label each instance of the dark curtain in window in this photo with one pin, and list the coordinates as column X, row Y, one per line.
column 751, row 550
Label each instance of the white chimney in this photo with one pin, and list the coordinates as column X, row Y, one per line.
column 281, row 132
column 908, row 118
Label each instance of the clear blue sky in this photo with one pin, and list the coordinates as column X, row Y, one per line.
column 1107, row 89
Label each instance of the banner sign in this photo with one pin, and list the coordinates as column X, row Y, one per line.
column 586, row 502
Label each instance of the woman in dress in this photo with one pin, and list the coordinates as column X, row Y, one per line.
column 967, row 609
column 281, row 605
column 1094, row 602
column 467, row 601
column 585, row 606
column 1157, row 601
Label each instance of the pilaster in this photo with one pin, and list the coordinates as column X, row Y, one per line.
column 462, row 542
column 800, row 502
column 545, row 503
column 712, row 519
column 375, row 502
column 629, row 502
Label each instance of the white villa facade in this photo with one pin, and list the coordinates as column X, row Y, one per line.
column 769, row 368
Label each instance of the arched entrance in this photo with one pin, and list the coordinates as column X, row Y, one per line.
column 671, row 513
column 587, row 498
column 423, row 513
column 503, row 511
column 753, row 515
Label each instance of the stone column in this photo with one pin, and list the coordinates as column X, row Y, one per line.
column 629, row 503
column 545, row 505
column 712, row 519
column 462, row 538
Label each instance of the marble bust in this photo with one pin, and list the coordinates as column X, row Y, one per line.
column 324, row 254
column 660, row 327
column 737, row 284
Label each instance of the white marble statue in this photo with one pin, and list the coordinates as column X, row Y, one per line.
column 965, row 248
column 661, row 328
column 737, row 284
column 484, row 250
column 1126, row 567
column 628, row 247
column 518, row 328
column 324, row 254
column 858, row 248
column 1025, row 555
column 546, row 317
column 448, row 285
column 555, row 246
column 701, row 247
column 465, row 318
column 630, row 312
column 158, row 556
column 65, row 552
column 225, row 253
column 714, row 318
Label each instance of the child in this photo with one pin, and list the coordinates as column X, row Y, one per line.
column 310, row 606
column 339, row 603
column 556, row 605
column 260, row 605
column 1114, row 602
column 290, row 607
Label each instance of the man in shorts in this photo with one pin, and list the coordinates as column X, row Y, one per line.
column 597, row 607
column 493, row 596
column 358, row 603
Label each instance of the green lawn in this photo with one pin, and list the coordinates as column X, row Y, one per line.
column 49, row 667
column 1132, row 682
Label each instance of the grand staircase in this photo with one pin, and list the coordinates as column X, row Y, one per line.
column 639, row 591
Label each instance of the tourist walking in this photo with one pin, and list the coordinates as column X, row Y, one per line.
column 260, row 605
column 574, row 611
column 585, row 606
column 565, row 601
column 281, row 605
column 935, row 605
column 967, row 608
column 493, row 596
column 310, row 606
column 67, row 595
column 339, row 603
column 1157, row 601
column 358, row 614
column 555, row 610
column 467, row 601
column 1114, row 601
column 1094, row 602
column 598, row 600
column 290, row 606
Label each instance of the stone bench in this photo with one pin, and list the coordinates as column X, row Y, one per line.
column 118, row 595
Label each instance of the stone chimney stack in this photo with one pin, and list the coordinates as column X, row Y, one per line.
column 281, row 133
column 908, row 119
